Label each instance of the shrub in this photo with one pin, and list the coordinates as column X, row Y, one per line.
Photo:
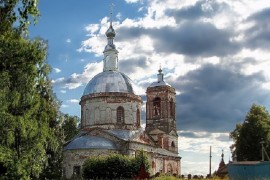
column 114, row 166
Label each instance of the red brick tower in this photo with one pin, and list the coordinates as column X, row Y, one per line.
column 160, row 114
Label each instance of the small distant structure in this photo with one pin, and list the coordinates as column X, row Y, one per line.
column 249, row 170
column 223, row 168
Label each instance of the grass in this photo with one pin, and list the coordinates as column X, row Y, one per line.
column 166, row 177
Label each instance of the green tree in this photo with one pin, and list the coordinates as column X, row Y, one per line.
column 54, row 167
column 30, row 134
column 28, row 108
column 248, row 135
column 70, row 126
column 17, row 13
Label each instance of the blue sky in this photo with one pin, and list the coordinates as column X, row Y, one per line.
column 215, row 53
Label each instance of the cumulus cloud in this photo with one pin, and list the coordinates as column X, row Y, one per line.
column 201, row 9
column 79, row 79
column 195, row 39
column 218, row 96
column 195, row 150
column 208, row 51
column 58, row 80
column 258, row 35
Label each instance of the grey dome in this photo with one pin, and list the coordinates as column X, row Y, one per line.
column 90, row 142
column 161, row 83
column 109, row 81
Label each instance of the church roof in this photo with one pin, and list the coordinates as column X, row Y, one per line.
column 90, row 142
column 165, row 152
column 109, row 81
column 124, row 134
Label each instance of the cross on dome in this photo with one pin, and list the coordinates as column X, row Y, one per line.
column 110, row 61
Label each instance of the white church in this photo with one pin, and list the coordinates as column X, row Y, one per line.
column 111, row 120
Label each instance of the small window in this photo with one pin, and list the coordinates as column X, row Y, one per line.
column 156, row 106
column 172, row 144
column 120, row 114
column 138, row 118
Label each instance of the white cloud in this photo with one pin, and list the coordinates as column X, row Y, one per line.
column 73, row 85
column 59, row 80
column 76, row 101
column 57, row 70
column 63, row 91
column 68, row 40
column 133, row 1
column 77, row 80
column 119, row 16
column 195, row 151
column 64, row 106
column 92, row 29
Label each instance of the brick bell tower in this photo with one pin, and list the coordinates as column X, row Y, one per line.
column 160, row 114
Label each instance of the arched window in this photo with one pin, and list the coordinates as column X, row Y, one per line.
column 120, row 114
column 172, row 108
column 138, row 118
column 156, row 106
column 169, row 169
column 153, row 165
column 172, row 145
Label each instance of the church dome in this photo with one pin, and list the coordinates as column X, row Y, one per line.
column 109, row 81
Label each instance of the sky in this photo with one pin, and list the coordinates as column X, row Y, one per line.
column 215, row 53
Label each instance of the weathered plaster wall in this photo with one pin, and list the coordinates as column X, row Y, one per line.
column 73, row 158
column 101, row 110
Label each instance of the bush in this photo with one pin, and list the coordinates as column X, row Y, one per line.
column 114, row 166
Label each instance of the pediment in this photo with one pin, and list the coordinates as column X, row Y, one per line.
column 143, row 138
column 104, row 134
column 173, row 133
column 156, row 131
